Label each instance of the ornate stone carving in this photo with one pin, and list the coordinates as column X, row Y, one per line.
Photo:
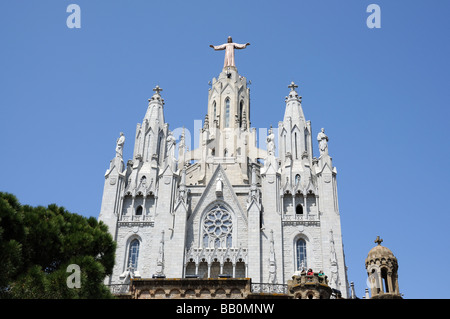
column 160, row 261
column 272, row 262
column 334, row 276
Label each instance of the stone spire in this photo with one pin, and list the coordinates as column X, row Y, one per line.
column 294, row 130
column 155, row 106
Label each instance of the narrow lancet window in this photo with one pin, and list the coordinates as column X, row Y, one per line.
column 241, row 109
column 227, row 112
column 133, row 254
column 301, row 254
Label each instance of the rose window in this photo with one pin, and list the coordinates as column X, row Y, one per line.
column 217, row 228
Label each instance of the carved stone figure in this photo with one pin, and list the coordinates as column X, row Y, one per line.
column 219, row 185
column 171, row 145
column 270, row 143
column 229, row 51
column 323, row 142
column 332, row 249
column 119, row 145
column 160, row 261
column 272, row 263
column 334, row 278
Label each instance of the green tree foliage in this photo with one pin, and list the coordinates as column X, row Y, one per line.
column 37, row 244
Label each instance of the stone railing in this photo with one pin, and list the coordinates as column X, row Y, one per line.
column 310, row 279
column 136, row 218
column 131, row 220
column 309, row 287
column 119, row 289
column 221, row 254
column 300, row 219
column 269, row 288
column 190, row 288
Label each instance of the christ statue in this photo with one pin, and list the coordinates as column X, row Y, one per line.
column 229, row 51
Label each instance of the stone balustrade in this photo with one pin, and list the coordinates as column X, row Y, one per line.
column 305, row 286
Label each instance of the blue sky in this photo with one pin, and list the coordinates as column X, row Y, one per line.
column 381, row 95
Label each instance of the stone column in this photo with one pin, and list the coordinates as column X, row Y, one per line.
column 389, row 282
column 396, row 285
column 380, row 281
column 305, row 206
column 293, row 204
column 144, row 211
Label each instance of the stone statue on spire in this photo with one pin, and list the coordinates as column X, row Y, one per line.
column 271, row 142
column 229, row 51
column 119, row 145
column 322, row 138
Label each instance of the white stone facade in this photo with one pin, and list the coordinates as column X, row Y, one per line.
column 227, row 207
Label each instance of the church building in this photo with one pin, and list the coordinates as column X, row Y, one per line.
column 227, row 209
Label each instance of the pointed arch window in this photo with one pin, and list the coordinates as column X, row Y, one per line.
column 227, row 112
column 160, row 148
column 133, row 254
column 214, row 111
column 139, row 210
column 306, row 140
column 297, row 179
column 300, row 248
column 149, row 139
column 241, row 109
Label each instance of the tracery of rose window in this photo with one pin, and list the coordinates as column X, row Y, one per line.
column 217, row 228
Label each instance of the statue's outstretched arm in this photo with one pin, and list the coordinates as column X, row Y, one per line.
column 218, row 47
column 240, row 46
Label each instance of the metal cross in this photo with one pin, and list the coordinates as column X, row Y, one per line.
column 293, row 86
column 157, row 89
column 378, row 240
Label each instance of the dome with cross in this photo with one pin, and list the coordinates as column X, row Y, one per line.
column 379, row 252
